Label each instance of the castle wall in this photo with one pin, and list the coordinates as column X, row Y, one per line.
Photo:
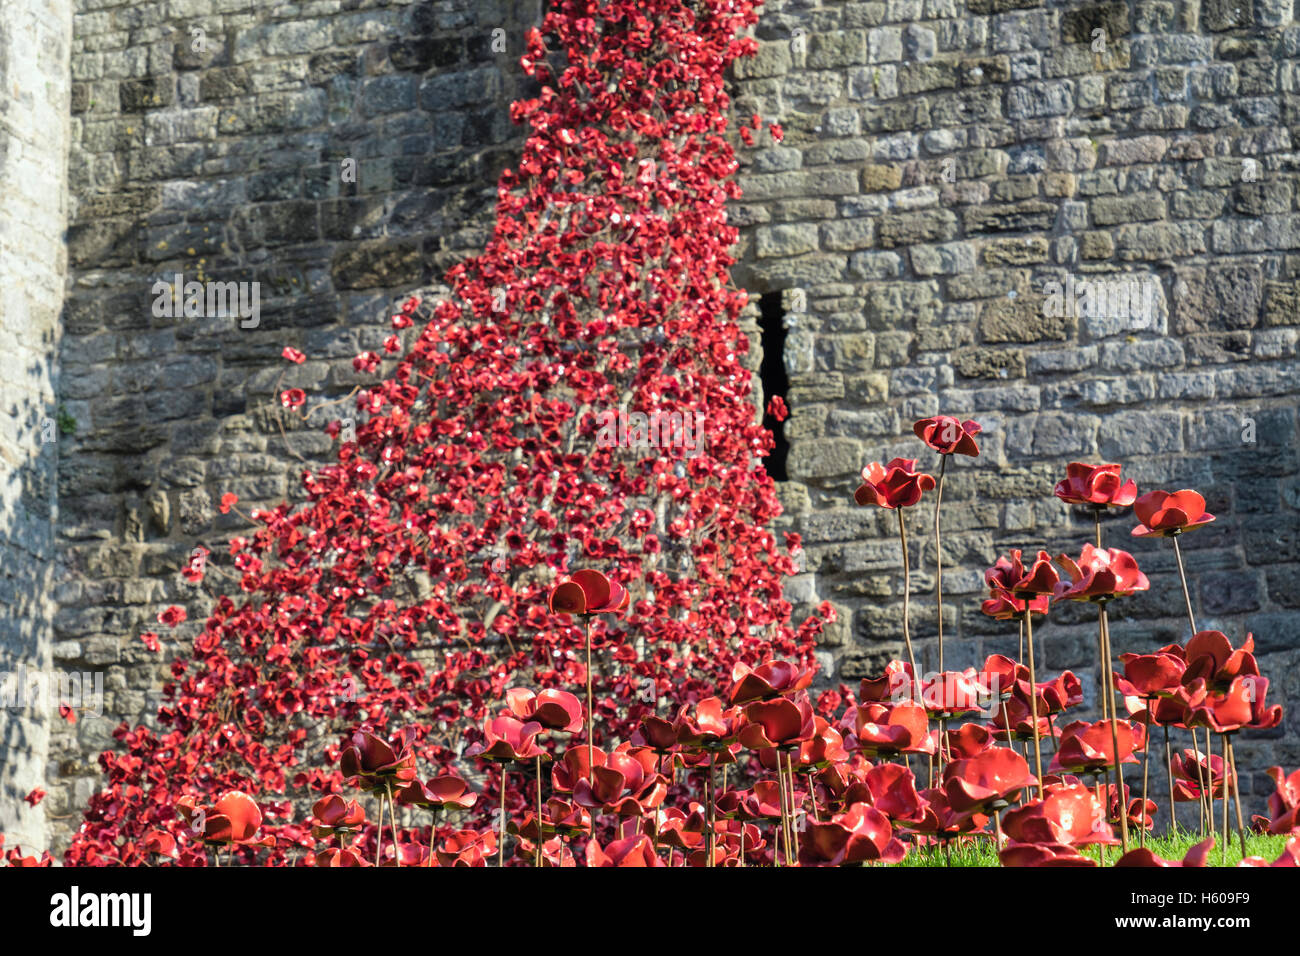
column 35, row 39
column 942, row 162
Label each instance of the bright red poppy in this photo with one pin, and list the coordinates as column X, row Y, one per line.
column 781, row 723
column 1165, row 514
column 1212, row 658
column 1068, row 814
column 444, row 792
column 896, row 485
column 332, row 814
column 948, row 435
column 771, row 679
column 588, row 592
column 553, row 709
column 374, row 763
column 1283, row 803
column 986, row 782
column 508, row 738
column 1100, row 575
column 632, row 851
column 1197, row 855
column 235, row 818
column 1087, row 747
column 859, row 835
column 1097, row 485
column 902, row 728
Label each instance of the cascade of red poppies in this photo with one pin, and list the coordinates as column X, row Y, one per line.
column 484, row 465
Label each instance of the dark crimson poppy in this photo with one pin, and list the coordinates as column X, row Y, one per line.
column 1197, row 855
column 1013, row 719
column 896, row 684
column 1087, row 747
column 340, row 857
column 508, row 738
column 444, row 792
column 588, row 592
column 1100, row 575
column 1283, row 804
column 896, row 485
column 553, row 709
column 467, row 848
column 823, row 748
column 948, row 436
column 859, row 835
column 1165, row 514
column 1009, row 575
column 1097, row 485
column 1042, row 854
column 160, row 843
column 559, row 818
column 632, row 851
column 627, row 785
column 374, row 764
column 1068, row 814
column 235, row 818
column 332, row 814
column 781, row 723
column 772, row 679
column 658, row 734
column 943, row 821
column 1004, row 607
column 574, row 767
column 1000, row 671
column 891, row 789
column 707, row 726
column 1194, row 771
column 986, row 782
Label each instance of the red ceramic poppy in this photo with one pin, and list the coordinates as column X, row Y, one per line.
column 553, row 709
column 781, row 723
column 1241, row 705
column 902, row 728
column 1290, row 856
column 160, row 843
column 772, row 679
column 1087, row 747
column 1043, row 854
column 559, row 818
column 859, row 835
column 1165, row 514
column 334, row 856
column 1211, row 657
column 332, row 814
column 1068, row 814
column 1011, row 576
column 1197, row 855
column 1283, row 803
column 444, row 792
column 941, row 820
column 588, row 592
column 825, row 747
column 986, row 782
column 633, row 851
column 508, row 738
column 574, row 767
column 1098, row 485
column 948, row 435
column 467, row 848
column 1003, row 606
column 1013, row 720
column 1151, row 675
column 374, row 764
column 953, row 693
column 968, row 740
column 891, row 789
column 707, row 726
column 896, row 485
column 235, row 818
column 1100, row 575
column 658, row 734
column 1193, row 772
column 896, row 684
column 627, row 785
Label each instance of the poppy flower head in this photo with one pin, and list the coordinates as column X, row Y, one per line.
column 895, row 485
column 1162, row 513
column 553, row 709
column 1099, row 575
column 1096, row 485
column 948, row 435
column 588, row 592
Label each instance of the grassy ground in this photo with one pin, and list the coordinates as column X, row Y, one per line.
column 1166, row 847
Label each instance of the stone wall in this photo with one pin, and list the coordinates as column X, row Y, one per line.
column 942, row 162
column 35, row 38
column 231, row 159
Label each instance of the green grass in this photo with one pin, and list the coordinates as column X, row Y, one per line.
column 1167, row 847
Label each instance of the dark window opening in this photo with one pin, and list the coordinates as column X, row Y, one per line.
column 771, row 325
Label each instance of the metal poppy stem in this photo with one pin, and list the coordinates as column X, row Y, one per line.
column 379, row 831
column 392, row 813
column 907, row 592
column 938, row 558
column 1227, row 779
column 708, row 797
column 1114, row 726
column 537, row 856
column 1146, row 763
column 1182, row 576
column 780, row 790
column 1033, row 696
column 501, row 822
column 1208, row 773
column 1169, row 773
column 1236, row 792
column 789, row 763
column 591, row 743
